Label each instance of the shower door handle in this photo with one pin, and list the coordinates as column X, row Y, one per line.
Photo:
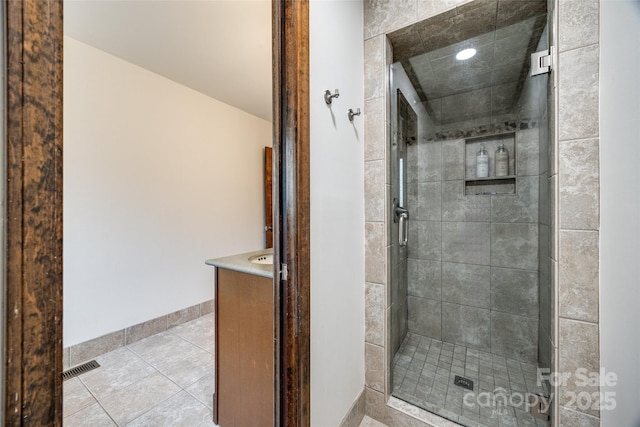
column 403, row 232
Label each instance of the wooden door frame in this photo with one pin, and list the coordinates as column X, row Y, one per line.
column 33, row 342
column 291, row 224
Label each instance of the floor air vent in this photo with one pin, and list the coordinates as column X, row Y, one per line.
column 80, row 369
column 463, row 382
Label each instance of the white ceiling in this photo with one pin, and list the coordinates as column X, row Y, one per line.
column 221, row 48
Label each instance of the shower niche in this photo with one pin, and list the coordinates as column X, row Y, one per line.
column 491, row 185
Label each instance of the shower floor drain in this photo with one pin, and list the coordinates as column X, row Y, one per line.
column 463, row 382
column 80, row 369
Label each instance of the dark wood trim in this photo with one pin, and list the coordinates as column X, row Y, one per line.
column 33, row 381
column 34, row 213
column 291, row 166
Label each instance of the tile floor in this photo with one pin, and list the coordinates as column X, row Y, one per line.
column 163, row 380
column 424, row 371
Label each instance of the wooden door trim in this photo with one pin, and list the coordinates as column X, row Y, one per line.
column 33, row 380
column 291, row 190
column 33, row 367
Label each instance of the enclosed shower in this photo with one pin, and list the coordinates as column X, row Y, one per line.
column 470, row 214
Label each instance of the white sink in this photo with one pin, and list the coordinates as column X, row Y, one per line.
column 266, row 258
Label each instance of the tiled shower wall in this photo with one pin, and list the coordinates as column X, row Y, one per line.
column 574, row 194
column 473, row 261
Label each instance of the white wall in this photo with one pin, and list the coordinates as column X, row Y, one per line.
column 337, row 210
column 157, row 178
column 620, row 206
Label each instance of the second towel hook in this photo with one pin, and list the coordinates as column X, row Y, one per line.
column 351, row 114
column 328, row 97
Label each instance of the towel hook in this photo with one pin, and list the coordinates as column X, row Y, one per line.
column 328, row 97
column 351, row 114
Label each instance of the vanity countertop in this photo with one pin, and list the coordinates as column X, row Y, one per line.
column 242, row 264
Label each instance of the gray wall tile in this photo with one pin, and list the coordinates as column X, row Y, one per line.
column 374, row 313
column 468, row 326
column 458, row 207
column 544, row 348
column 579, row 267
column 206, row 307
column 579, row 184
column 579, row 22
column 520, row 207
column 429, row 8
column 514, row 336
column 424, row 162
column 424, row 201
column 182, row 316
column 569, row 418
column 453, row 160
column 146, row 329
column 425, row 240
column 544, row 199
column 87, row 350
column 514, row 246
column 466, row 284
column 374, row 367
column 466, row 242
column 375, row 259
column 374, row 190
column 424, row 278
column 375, row 127
column 383, row 16
column 545, row 305
column 578, row 91
column 374, row 68
column 579, row 348
column 425, row 317
column 528, row 152
column 514, row 291
column 544, row 250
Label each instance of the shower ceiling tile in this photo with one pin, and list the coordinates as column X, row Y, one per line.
column 526, row 26
column 512, row 50
column 505, row 74
column 409, row 44
column 512, row 11
column 427, row 52
column 451, row 50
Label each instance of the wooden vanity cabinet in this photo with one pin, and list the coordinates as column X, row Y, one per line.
column 244, row 348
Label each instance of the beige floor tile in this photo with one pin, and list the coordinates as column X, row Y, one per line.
column 93, row 416
column 181, row 409
column 203, row 389
column 370, row 422
column 157, row 348
column 186, row 368
column 118, row 369
column 76, row 397
column 199, row 332
column 131, row 402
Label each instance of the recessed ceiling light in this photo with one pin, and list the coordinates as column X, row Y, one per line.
column 465, row 54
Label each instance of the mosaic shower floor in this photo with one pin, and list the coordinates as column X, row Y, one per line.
column 424, row 371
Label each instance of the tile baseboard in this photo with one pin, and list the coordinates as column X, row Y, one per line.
column 84, row 351
column 354, row 416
